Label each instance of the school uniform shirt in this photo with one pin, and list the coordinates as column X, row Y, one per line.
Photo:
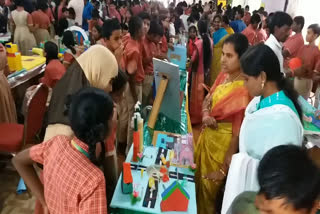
column 310, row 55
column 53, row 73
column 293, row 44
column 132, row 51
column 149, row 50
column 72, row 184
column 276, row 46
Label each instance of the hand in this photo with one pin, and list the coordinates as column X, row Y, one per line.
column 2, row 48
column 208, row 121
column 170, row 45
column 215, row 176
column 206, row 8
column 303, row 72
column 119, row 52
column 207, row 102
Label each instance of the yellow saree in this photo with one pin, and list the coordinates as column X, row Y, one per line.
column 229, row 101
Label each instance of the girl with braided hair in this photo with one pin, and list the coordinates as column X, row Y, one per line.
column 72, row 180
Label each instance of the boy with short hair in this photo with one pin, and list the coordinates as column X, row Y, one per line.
column 295, row 42
column 146, row 22
column 149, row 50
column 310, row 56
column 289, row 184
column 133, row 64
column 251, row 32
column 238, row 25
column 111, row 38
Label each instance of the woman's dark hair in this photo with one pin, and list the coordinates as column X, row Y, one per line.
column 225, row 19
column 288, row 172
column 72, row 12
column 95, row 14
column 42, row 5
column 239, row 42
column 255, row 19
column 99, row 29
column 135, row 24
column 68, row 41
column 120, row 81
column 51, row 50
column 207, row 51
column 19, row 3
column 217, row 16
column 89, row 111
column 144, row 15
column 156, row 28
column 280, row 19
column 261, row 58
column 62, row 26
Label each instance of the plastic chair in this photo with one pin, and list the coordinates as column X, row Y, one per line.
column 13, row 136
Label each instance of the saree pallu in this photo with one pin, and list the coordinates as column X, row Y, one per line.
column 198, row 78
column 228, row 101
column 218, row 40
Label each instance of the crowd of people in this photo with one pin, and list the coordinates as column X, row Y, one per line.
column 242, row 91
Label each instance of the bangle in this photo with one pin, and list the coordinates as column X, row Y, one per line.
column 205, row 110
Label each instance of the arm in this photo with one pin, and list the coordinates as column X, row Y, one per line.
column 132, row 69
column 24, row 165
column 30, row 24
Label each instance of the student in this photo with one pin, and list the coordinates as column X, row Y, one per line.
column 54, row 69
column 95, row 20
column 289, row 182
column 113, row 12
column 87, row 14
column 149, row 51
column 96, row 34
column 247, row 15
column 111, row 38
column 280, row 28
column 279, row 184
column 146, row 22
column 71, row 19
column 111, row 161
column 310, row 56
column 295, row 42
column 96, row 67
column 275, row 102
column 70, row 54
column 200, row 72
column 72, row 180
column 133, row 64
column 238, row 25
column 193, row 38
column 251, row 32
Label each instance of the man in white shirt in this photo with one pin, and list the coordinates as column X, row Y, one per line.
column 78, row 6
column 280, row 29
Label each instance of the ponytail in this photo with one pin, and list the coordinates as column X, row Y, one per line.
column 291, row 93
column 93, row 141
column 207, row 52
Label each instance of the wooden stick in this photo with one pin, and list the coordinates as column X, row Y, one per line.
column 157, row 102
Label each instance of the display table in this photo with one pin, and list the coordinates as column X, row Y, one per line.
column 121, row 203
column 33, row 65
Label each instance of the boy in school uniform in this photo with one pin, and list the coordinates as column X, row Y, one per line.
column 149, row 51
column 133, row 64
column 310, row 56
column 72, row 179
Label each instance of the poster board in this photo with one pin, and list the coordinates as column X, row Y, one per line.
column 170, row 105
column 178, row 56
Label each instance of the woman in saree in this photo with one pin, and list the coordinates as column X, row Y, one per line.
column 201, row 59
column 272, row 118
column 223, row 111
column 226, row 24
column 219, row 35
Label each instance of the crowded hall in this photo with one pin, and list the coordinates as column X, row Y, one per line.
column 159, row 106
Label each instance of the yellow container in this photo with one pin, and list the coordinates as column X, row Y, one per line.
column 11, row 63
column 17, row 61
column 11, row 48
